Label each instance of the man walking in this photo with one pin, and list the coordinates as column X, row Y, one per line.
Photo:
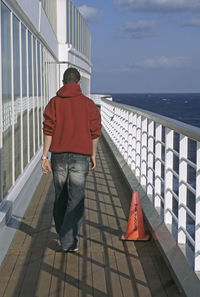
column 72, row 127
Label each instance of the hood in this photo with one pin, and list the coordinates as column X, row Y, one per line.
column 69, row 90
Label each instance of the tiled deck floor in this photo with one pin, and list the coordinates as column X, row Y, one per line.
column 104, row 266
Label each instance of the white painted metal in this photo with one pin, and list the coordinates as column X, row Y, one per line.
column 36, row 96
column 120, row 138
column 44, row 77
column 130, row 136
column 138, row 147
column 12, row 99
column 133, row 154
column 125, row 134
column 28, row 99
column 61, row 19
column 144, row 153
column 126, row 137
column 97, row 98
column 197, row 220
column 150, row 171
column 41, row 87
column 47, row 33
column 132, row 131
column 158, row 155
column 32, row 96
column 21, row 111
column 182, row 189
column 47, row 77
column 1, row 122
column 1, row 118
column 168, row 176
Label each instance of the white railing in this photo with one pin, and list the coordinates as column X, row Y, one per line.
column 98, row 97
column 164, row 155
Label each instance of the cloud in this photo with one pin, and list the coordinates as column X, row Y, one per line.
column 193, row 22
column 140, row 29
column 91, row 14
column 161, row 62
column 162, row 6
column 155, row 63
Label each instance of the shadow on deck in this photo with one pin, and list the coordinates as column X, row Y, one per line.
column 104, row 266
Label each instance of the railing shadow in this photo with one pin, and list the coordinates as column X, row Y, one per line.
column 105, row 266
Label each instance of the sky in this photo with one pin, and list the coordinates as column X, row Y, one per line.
column 144, row 46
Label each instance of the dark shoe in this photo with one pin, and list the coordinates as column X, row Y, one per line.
column 71, row 250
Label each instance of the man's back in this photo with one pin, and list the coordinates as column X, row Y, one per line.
column 73, row 120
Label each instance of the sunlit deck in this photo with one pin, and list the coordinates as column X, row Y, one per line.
column 104, row 266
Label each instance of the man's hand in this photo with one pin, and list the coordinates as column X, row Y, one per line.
column 46, row 167
column 94, row 151
column 93, row 161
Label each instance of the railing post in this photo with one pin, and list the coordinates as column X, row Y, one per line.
column 119, row 136
column 121, row 130
column 150, row 159
column 21, row 100
column 144, row 154
column 130, row 136
column 169, row 144
column 112, row 121
column 117, row 129
column 1, row 124
column 103, row 114
column 197, row 221
column 158, row 153
column 125, row 133
column 138, row 148
column 114, row 124
column 109, row 122
column 134, row 126
column 12, row 101
column 182, row 188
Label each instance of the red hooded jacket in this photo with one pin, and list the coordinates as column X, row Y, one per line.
column 73, row 120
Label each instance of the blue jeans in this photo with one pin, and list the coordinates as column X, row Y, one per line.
column 69, row 174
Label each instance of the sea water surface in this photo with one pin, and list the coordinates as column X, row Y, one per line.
column 184, row 107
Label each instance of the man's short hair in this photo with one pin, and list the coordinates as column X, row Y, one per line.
column 71, row 75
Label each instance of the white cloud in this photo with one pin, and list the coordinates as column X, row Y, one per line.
column 163, row 6
column 156, row 63
column 91, row 14
column 162, row 62
column 140, row 29
column 193, row 22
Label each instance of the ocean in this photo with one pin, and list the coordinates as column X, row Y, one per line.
column 184, row 107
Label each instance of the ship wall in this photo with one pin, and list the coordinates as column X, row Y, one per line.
column 36, row 47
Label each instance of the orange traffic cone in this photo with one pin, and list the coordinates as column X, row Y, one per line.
column 135, row 228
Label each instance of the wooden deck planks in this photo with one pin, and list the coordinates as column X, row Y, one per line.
column 104, row 267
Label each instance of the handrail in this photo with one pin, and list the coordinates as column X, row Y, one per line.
column 164, row 155
column 178, row 126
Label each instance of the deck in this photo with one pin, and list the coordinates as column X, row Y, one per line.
column 104, row 266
